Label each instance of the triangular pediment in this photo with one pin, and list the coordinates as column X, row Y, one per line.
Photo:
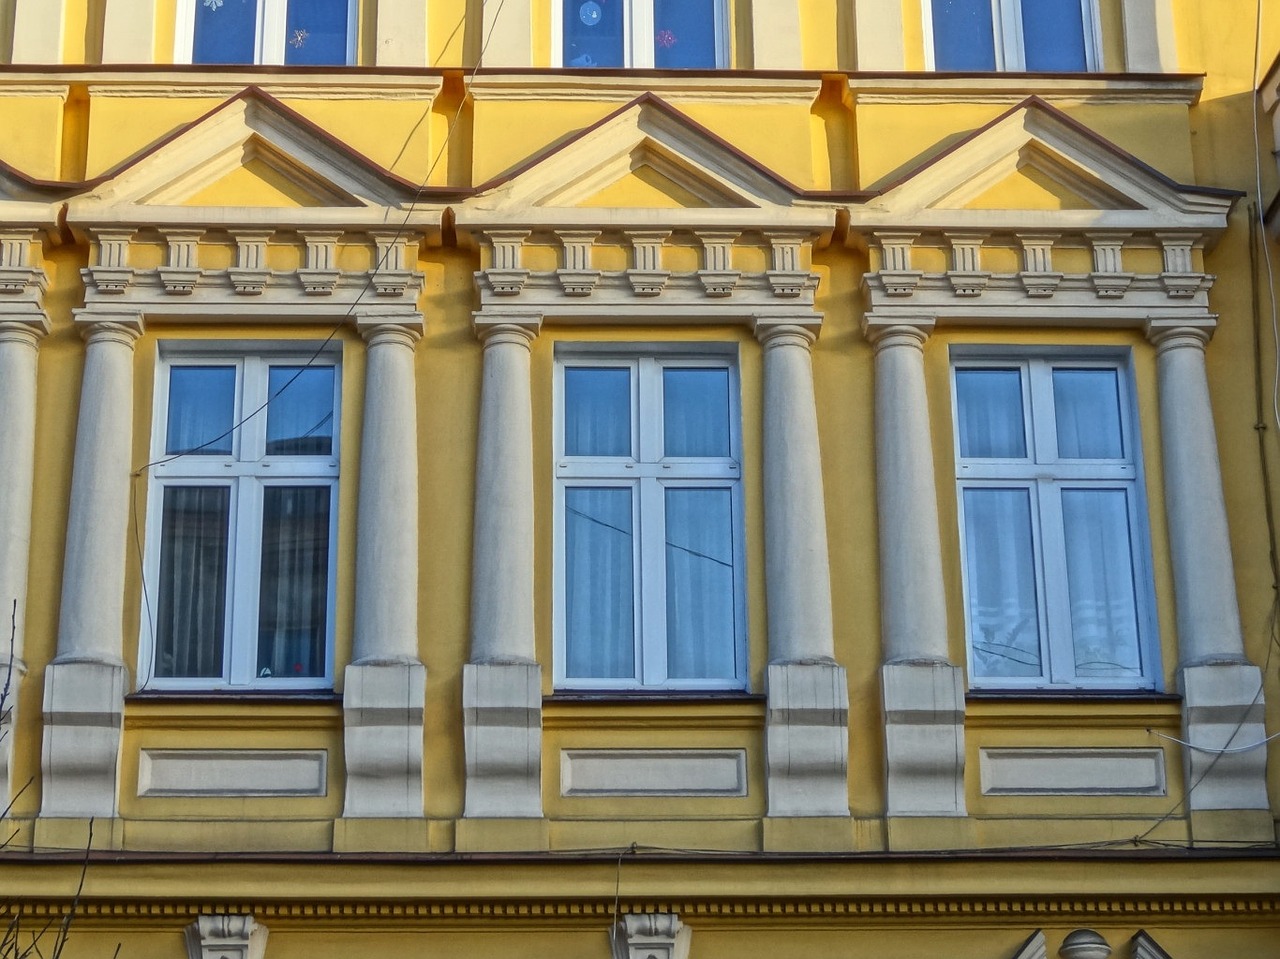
column 251, row 153
column 1037, row 167
column 645, row 163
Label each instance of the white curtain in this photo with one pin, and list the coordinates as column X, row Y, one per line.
column 700, row 579
column 989, row 404
column 696, row 407
column 599, row 577
column 300, row 411
column 1086, row 405
column 201, row 409
column 192, row 592
column 293, row 597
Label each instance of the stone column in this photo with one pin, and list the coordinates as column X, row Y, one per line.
column 385, row 686
column 1222, row 692
column 807, row 722
column 38, row 28
column 129, row 31
column 1149, row 42
column 401, row 34
column 84, row 686
column 922, row 691
column 507, row 40
column 775, row 36
column 878, row 36
column 19, row 342
column 502, row 683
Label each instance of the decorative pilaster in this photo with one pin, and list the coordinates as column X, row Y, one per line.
column 85, row 684
column 502, row 684
column 129, row 31
column 385, row 688
column 717, row 274
column 225, row 937
column 807, row 739
column 650, row 935
column 922, row 691
column 1222, row 694
column 1110, row 281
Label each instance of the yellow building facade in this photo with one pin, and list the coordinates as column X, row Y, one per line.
column 627, row 478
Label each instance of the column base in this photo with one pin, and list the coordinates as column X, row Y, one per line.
column 808, row 834
column 807, row 740
column 382, row 835
column 501, row 835
column 83, row 714
column 502, row 728
column 382, row 709
column 923, row 710
column 1231, row 827
column 1222, row 707
column 72, row 833
column 15, row 674
column 930, row 832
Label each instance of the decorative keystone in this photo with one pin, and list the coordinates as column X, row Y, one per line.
column 250, row 274
column 647, row 277
column 392, row 273
column 1111, row 285
column 965, row 283
column 718, row 282
column 504, row 282
column 648, row 282
column 1038, row 276
column 107, row 279
column 717, row 274
column 900, row 282
column 1110, row 281
column 966, row 274
column 578, row 282
column 111, row 273
column 1181, row 286
column 1040, row 284
column 16, row 271
column 248, row 282
column 320, row 275
column 650, row 935
column 180, row 282
column 318, row 282
column 226, row 937
column 788, row 283
column 577, row 278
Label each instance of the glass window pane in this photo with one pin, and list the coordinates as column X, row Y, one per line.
column 597, row 411
column 990, row 414
column 293, row 597
column 1053, row 35
column 1086, row 406
column 225, row 31
column 599, row 584
column 202, row 410
column 684, row 34
column 695, row 404
column 300, row 411
column 1100, row 583
column 316, row 32
column 1004, row 627
column 593, row 32
column 191, row 602
column 963, row 38
column 701, row 640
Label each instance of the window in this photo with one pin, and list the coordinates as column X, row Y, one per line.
column 667, row 34
column 649, row 562
column 240, row 564
column 1044, row 36
column 1057, row 584
column 293, row 32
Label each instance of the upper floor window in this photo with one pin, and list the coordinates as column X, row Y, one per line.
column 1057, row 581
column 649, row 584
column 667, row 34
column 1042, row 36
column 240, row 559
column 293, row 32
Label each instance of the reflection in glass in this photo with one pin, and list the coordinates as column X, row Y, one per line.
column 293, row 598
column 684, row 34
column 700, row 579
column 597, row 411
column 696, row 409
column 1086, row 406
column 989, row 411
column 316, row 32
column 593, row 33
column 191, row 597
column 963, row 38
column 1004, row 629
column 300, row 411
column 202, row 409
column 1053, row 35
column 1100, row 582
column 225, row 31
column 599, row 583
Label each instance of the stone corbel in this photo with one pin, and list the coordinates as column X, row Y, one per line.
column 966, row 274
column 577, row 278
column 111, row 272
column 1180, row 278
column 250, row 274
column 786, row 277
column 181, row 271
column 647, row 276
column 650, row 935
column 896, row 273
column 225, row 937
column 505, row 275
column 717, row 274
column 1039, row 278
column 1108, row 276
column 392, row 270
column 17, row 275
column 319, row 276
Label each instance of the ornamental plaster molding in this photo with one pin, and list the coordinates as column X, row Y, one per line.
column 225, row 937
column 650, row 935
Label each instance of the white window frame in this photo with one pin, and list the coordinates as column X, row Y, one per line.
column 637, row 23
column 248, row 471
column 1006, row 26
column 649, row 474
column 269, row 36
column 1043, row 475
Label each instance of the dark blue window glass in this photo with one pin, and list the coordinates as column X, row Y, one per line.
column 684, row 34
column 1053, row 35
column 225, row 31
column 593, row 33
column 315, row 32
column 962, row 35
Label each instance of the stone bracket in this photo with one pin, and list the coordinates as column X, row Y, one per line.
column 1223, row 708
column 382, row 708
column 83, row 714
column 502, row 731
column 807, row 739
column 225, row 937
column 923, row 710
column 650, row 935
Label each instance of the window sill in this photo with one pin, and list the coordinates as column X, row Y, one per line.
column 222, row 697
column 651, row 696
column 1070, row 696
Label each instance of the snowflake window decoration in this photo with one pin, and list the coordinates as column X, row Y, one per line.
column 298, row 38
column 666, row 39
column 213, row 4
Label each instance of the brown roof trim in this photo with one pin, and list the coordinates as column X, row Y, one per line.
column 1037, row 103
column 651, row 99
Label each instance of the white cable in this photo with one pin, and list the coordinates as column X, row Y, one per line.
column 1218, row 752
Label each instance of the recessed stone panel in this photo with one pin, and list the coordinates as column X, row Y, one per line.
column 213, row 773
column 1072, row 772
column 653, row 772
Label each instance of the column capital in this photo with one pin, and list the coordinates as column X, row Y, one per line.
column 495, row 328
column 798, row 329
column 885, row 331
column 29, row 329
column 399, row 334
column 121, row 326
column 1175, row 332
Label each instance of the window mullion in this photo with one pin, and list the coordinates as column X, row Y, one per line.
column 244, row 558
column 1007, row 18
column 638, row 32
column 1057, row 599
column 652, row 591
column 271, row 30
